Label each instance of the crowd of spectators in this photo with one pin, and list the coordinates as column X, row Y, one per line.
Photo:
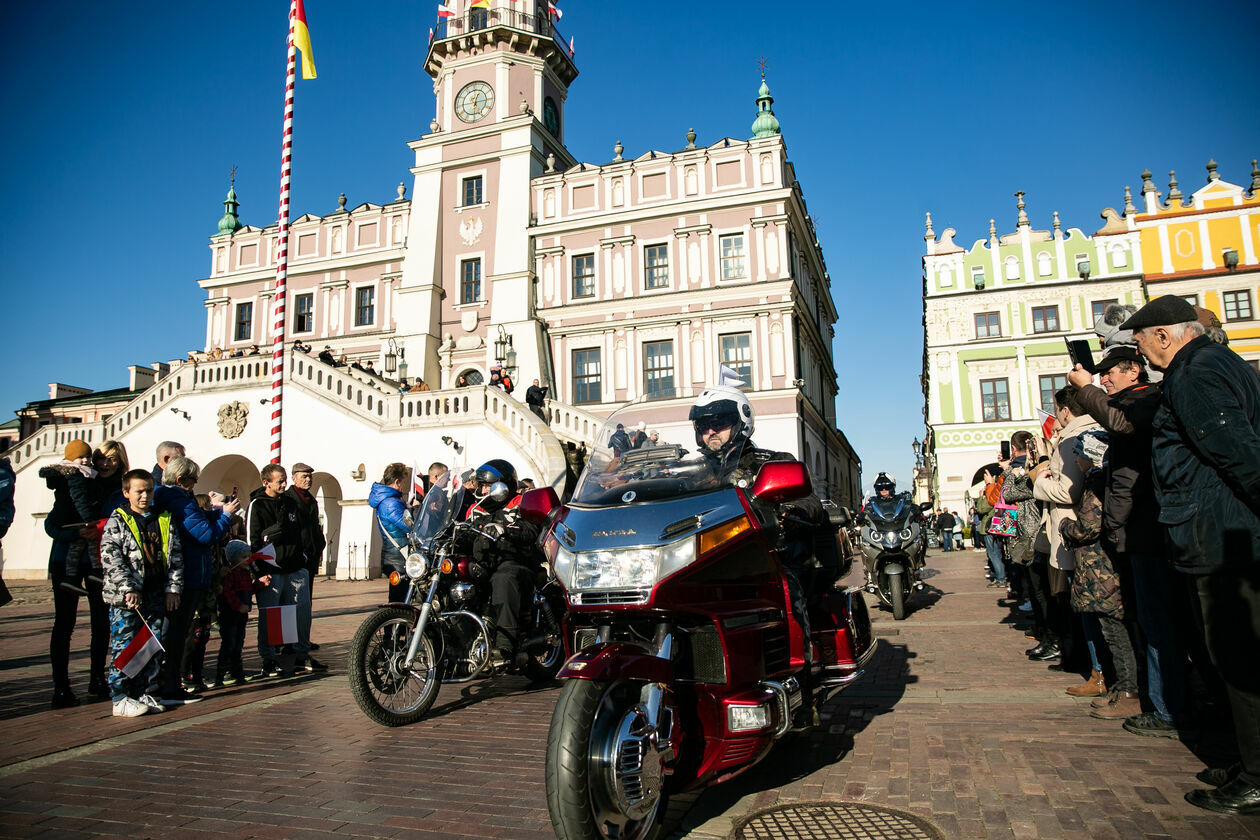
column 155, row 559
column 1130, row 532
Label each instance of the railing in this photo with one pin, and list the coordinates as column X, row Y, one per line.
column 572, row 423
column 480, row 19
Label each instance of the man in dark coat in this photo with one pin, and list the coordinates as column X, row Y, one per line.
column 1131, row 530
column 313, row 541
column 1206, row 458
column 536, row 399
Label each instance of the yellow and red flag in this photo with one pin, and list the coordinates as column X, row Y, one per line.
column 302, row 40
column 479, row 4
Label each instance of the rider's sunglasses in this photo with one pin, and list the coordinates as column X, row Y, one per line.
column 714, row 424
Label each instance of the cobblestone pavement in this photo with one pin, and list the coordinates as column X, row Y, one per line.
column 951, row 723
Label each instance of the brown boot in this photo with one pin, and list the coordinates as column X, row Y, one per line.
column 1093, row 687
column 1125, row 704
column 1103, row 701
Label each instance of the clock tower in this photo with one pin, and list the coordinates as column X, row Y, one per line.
column 500, row 78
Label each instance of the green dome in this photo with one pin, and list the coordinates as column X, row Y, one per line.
column 766, row 124
column 230, row 223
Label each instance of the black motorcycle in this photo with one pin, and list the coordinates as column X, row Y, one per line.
column 893, row 550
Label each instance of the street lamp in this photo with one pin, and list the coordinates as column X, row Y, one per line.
column 391, row 358
column 917, row 448
column 504, row 353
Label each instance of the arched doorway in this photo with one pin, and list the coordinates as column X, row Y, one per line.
column 472, row 376
column 327, row 491
column 228, row 471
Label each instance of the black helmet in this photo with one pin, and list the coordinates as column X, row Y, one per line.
column 495, row 471
column 884, row 481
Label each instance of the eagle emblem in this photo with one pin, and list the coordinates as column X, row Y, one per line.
column 470, row 230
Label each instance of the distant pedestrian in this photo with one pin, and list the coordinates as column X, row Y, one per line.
column 945, row 523
column 536, row 398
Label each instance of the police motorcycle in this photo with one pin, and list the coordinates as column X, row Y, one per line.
column 686, row 661
column 442, row 633
column 893, row 547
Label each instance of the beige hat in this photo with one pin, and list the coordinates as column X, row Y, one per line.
column 77, row 449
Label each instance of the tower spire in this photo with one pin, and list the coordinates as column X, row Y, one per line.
column 231, row 222
column 766, row 124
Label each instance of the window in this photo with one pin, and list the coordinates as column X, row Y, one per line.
column 364, row 306
column 994, row 402
column 472, row 191
column 732, row 248
column 244, row 321
column 656, row 267
column 658, row 368
column 1050, row 385
column 988, row 325
column 736, row 352
column 470, row 280
column 1237, row 305
column 1193, row 300
column 584, row 275
column 586, row 376
column 977, row 277
column 1045, row 319
column 1012, row 268
column 1097, row 308
column 1045, row 266
column 304, row 313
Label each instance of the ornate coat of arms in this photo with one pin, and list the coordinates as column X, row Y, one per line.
column 470, row 230
column 232, row 419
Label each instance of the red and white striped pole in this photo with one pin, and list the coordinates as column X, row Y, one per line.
column 282, row 249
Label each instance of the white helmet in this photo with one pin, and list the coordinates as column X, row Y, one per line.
column 724, row 403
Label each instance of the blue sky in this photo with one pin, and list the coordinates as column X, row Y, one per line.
column 122, row 121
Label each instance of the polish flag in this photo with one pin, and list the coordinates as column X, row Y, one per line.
column 281, row 624
column 555, row 11
column 445, row 11
column 417, row 486
column 430, row 33
column 266, row 554
column 570, row 46
column 1047, row 424
column 137, row 654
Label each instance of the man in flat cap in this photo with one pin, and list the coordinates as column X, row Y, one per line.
column 313, row 541
column 1206, row 459
column 1132, row 537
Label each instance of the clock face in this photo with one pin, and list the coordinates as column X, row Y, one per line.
column 551, row 116
column 474, row 101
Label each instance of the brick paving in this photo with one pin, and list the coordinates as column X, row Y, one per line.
column 951, row 723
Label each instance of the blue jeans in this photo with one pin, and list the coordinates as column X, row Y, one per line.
column 994, row 549
column 1094, row 640
column 290, row 588
column 1153, row 584
column 947, row 540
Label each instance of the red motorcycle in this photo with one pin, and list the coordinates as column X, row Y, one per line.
column 685, row 663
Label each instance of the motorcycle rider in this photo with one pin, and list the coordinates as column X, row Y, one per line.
column 885, row 490
column 723, row 421
column 508, row 548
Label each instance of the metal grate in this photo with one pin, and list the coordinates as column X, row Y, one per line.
column 835, row 821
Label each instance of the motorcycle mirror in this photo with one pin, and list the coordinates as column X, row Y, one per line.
column 537, row 505
column 499, row 492
column 781, row 481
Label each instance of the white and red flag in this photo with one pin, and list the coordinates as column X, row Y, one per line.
column 445, row 11
column 132, row 659
column 266, row 554
column 281, row 624
column 417, row 485
column 570, row 46
column 1047, row 423
column 555, row 11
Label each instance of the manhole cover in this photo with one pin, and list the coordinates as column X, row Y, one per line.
column 835, row 821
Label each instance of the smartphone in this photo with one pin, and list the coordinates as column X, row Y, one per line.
column 1006, row 450
column 233, row 492
column 1080, row 354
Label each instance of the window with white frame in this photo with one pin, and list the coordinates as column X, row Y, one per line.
column 304, row 313
column 736, row 354
column 244, row 321
column 472, row 192
column 658, row 368
column 470, row 280
column 733, row 256
column 584, row 275
column 586, row 376
column 656, row 267
column 1237, row 305
column 364, row 306
column 1045, row 319
column 995, row 403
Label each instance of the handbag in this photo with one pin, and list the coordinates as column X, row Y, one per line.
column 1005, row 519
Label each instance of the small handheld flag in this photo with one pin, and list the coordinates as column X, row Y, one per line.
column 728, row 376
column 302, row 39
column 570, row 46
column 1047, row 423
column 281, row 623
column 266, row 554
column 132, row 659
column 417, row 486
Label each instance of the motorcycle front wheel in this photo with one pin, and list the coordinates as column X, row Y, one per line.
column 384, row 690
column 897, row 596
column 604, row 781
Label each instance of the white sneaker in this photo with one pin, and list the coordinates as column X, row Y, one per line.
column 152, row 703
column 127, row 707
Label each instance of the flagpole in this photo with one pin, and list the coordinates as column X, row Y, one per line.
column 282, row 249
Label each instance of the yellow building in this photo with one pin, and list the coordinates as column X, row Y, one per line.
column 1204, row 247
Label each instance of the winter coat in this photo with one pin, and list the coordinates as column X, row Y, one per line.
column 1061, row 487
column 313, row 541
column 76, row 497
column 274, row 521
column 535, row 396
column 1206, row 458
column 389, row 507
column 1131, row 513
column 123, row 558
column 199, row 531
column 1097, row 584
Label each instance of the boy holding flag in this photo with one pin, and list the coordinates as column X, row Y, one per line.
column 144, row 576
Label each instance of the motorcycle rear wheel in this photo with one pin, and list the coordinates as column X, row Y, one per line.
column 897, row 596
column 385, row 692
column 586, row 752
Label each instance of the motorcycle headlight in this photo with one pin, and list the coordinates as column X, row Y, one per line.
column 415, row 564
column 622, row 568
column 906, row 534
column 890, row 538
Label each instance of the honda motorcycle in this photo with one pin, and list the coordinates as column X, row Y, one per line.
column 686, row 662
column 892, row 551
column 402, row 653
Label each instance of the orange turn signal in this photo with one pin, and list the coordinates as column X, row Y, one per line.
column 394, row 577
column 724, row 533
column 447, row 565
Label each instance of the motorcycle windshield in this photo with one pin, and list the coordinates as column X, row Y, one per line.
column 891, row 512
column 649, row 450
column 439, row 508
